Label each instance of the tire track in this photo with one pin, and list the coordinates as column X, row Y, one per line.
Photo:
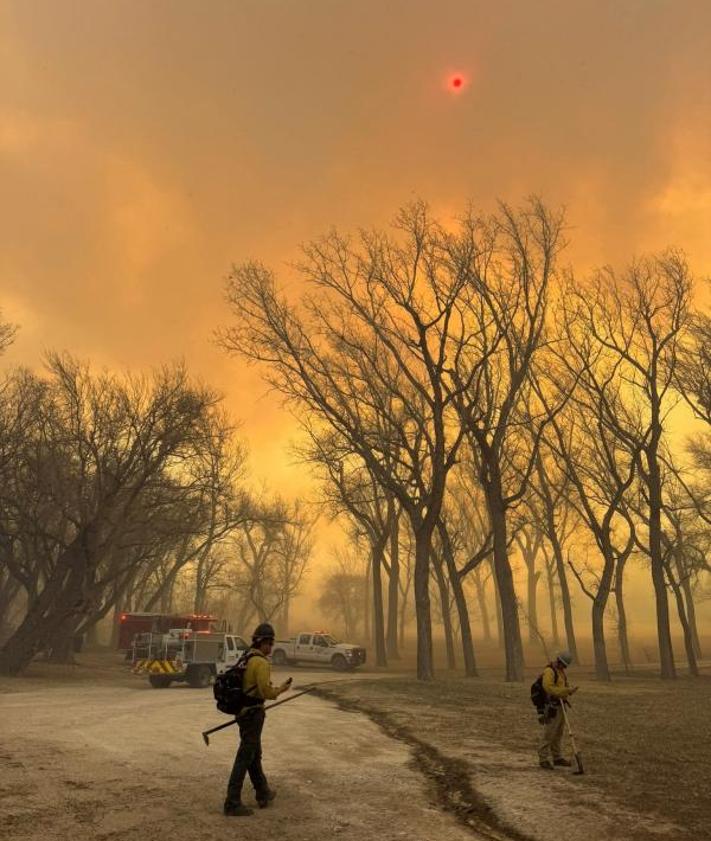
column 449, row 778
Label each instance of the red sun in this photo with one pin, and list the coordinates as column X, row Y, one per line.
column 456, row 82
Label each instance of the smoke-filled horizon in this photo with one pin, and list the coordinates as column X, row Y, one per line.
column 146, row 147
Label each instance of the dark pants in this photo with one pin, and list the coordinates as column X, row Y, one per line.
column 249, row 757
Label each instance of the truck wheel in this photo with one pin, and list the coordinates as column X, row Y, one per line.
column 199, row 676
column 338, row 661
column 279, row 657
column 159, row 681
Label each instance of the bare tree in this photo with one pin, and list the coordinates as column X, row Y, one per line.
column 271, row 556
column 634, row 325
column 8, row 332
column 368, row 354
column 218, row 473
column 549, row 506
column 511, row 262
column 99, row 467
column 350, row 488
column 530, row 541
column 684, row 538
column 464, row 546
column 342, row 594
column 601, row 470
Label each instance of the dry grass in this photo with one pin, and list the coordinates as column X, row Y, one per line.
column 645, row 742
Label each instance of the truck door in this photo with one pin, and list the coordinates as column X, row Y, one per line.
column 321, row 652
column 304, row 647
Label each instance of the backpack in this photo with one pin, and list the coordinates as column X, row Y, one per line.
column 230, row 695
column 539, row 696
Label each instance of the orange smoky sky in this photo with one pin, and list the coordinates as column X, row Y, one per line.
column 146, row 145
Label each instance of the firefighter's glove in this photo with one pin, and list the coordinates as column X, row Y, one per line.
column 286, row 685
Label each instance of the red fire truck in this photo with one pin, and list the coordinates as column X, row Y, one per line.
column 131, row 624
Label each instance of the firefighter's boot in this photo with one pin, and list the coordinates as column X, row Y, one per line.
column 264, row 798
column 237, row 810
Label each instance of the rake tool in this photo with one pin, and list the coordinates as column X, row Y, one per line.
column 576, row 753
column 207, row 733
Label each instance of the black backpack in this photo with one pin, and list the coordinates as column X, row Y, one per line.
column 230, row 695
column 539, row 696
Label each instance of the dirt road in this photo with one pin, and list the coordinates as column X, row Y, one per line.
column 88, row 763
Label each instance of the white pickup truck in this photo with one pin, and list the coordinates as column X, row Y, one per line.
column 318, row 648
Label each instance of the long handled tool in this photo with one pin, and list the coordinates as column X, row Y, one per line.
column 576, row 754
column 206, row 733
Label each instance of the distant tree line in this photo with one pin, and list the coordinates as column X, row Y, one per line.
column 467, row 399
column 128, row 493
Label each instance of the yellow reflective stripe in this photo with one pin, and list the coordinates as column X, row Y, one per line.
column 162, row 667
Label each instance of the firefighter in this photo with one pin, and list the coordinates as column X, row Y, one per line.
column 555, row 685
column 258, row 688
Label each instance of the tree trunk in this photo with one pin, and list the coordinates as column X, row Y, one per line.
column 529, row 551
column 423, row 618
column 63, row 648
column 199, row 599
column 393, row 586
column 446, row 616
column 285, row 618
column 403, row 615
column 381, row 658
column 497, row 607
column 115, row 627
column 513, row 646
column 367, row 608
column 565, row 597
column 54, row 614
column 688, row 636
column 666, row 652
column 9, row 590
column 480, row 586
column 622, row 638
column 553, row 605
column 690, row 611
column 92, row 636
column 602, row 668
column 460, row 600
column 483, row 606
column 532, row 588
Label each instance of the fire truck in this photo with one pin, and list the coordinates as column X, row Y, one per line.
column 131, row 624
column 185, row 655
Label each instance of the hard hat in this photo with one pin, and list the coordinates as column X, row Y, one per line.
column 564, row 657
column 263, row 632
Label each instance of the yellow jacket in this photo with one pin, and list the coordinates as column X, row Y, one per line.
column 257, row 678
column 555, row 683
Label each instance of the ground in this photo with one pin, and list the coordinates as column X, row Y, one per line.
column 645, row 746
column 96, row 762
column 93, row 753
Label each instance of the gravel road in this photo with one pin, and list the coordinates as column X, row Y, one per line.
column 103, row 762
